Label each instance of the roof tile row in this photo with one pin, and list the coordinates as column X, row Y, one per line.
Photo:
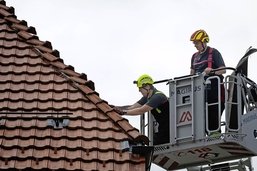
column 36, row 89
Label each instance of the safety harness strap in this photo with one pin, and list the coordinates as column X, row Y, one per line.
column 157, row 109
column 210, row 58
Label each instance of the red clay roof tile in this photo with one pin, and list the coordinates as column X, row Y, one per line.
column 35, row 82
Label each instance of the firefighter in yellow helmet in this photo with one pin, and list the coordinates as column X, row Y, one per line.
column 154, row 101
column 200, row 62
column 204, row 61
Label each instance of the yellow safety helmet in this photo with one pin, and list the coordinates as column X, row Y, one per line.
column 144, row 79
column 200, row 35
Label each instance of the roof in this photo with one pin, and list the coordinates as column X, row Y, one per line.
column 51, row 117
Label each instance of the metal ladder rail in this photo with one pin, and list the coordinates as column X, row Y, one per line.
column 214, row 103
column 229, row 102
column 251, row 103
column 244, row 91
column 143, row 125
column 147, row 124
column 241, row 165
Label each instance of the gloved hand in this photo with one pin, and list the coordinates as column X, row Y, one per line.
column 211, row 73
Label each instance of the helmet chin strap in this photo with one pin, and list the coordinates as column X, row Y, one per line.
column 204, row 46
column 148, row 91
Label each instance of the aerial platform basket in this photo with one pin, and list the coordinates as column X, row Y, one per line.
column 189, row 144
